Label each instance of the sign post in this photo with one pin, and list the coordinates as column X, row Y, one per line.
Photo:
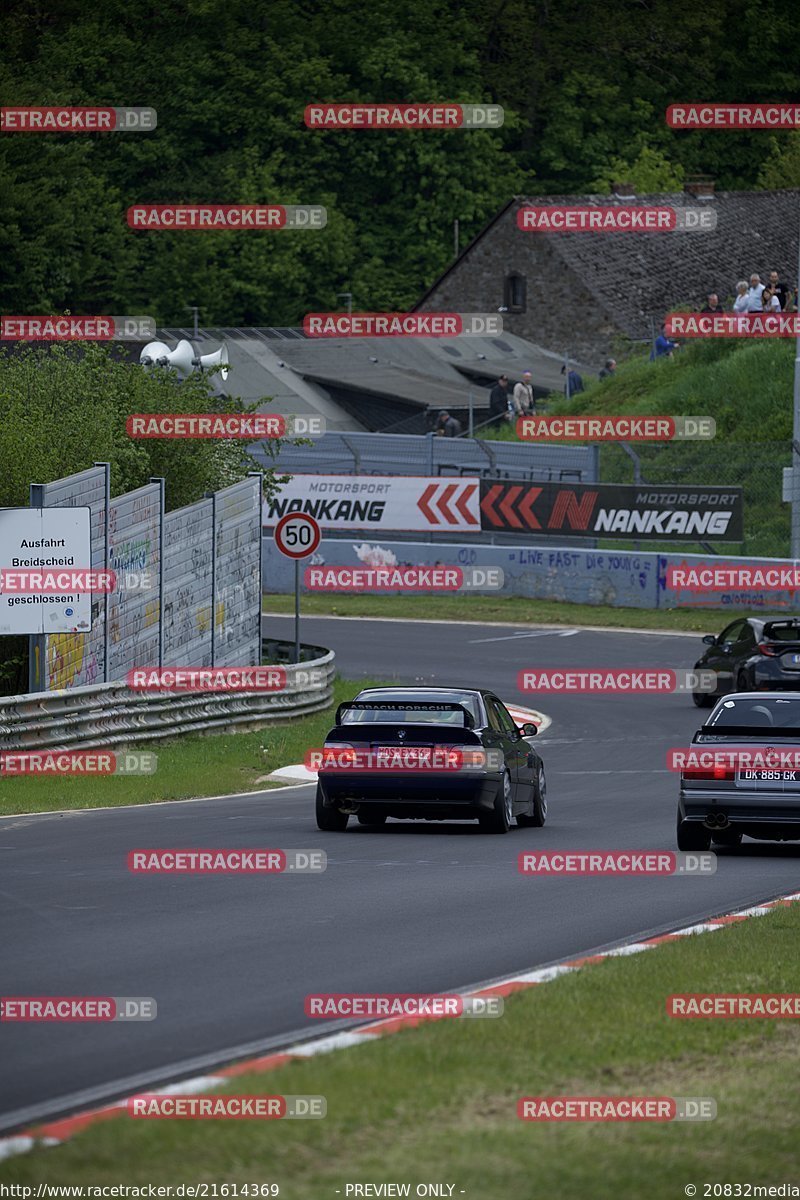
column 297, row 536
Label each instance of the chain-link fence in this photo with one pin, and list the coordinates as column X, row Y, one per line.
column 756, row 467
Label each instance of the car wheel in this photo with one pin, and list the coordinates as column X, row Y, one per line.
column 693, row 836
column 329, row 819
column 726, row 837
column 702, row 699
column 499, row 819
column 371, row 818
column 741, row 683
column 538, row 816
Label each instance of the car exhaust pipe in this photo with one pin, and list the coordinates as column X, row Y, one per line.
column 717, row 821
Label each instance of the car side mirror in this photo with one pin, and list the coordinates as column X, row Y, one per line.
column 709, row 640
column 529, row 729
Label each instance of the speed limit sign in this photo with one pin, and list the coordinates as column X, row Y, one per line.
column 297, row 535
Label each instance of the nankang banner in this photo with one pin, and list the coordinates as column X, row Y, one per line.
column 655, row 512
column 384, row 502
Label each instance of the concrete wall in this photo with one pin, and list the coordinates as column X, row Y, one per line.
column 621, row 579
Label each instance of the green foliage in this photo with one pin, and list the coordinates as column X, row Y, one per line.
column 64, row 408
column 584, row 87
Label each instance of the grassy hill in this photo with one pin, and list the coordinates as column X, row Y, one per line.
column 746, row 386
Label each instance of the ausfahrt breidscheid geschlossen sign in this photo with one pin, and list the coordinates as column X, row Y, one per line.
column 472, row 505
column 50, row 544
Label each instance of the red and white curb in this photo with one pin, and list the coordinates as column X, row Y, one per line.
column 298, row 773
column 53, row 1133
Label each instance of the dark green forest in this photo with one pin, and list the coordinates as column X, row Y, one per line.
column 584, row 85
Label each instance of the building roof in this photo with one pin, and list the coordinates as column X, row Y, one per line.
column 635, row 276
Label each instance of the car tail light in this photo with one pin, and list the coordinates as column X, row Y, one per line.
column 709, row 773
column 338, row 754
column 463, row 756
column 768, row 648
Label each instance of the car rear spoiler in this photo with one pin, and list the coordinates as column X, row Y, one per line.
column 767, row 732
column 403, row 706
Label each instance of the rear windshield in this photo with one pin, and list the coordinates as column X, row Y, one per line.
column 417, row 712
column 782, row 633
column 758, row 713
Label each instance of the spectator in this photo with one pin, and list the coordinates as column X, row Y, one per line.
column 742, row 302
column 712, row 304
column 447, row 426
column 523, row 396
column 663, row 347
column 574, row 383
column 754, row 294
column 769, row 301
column 781, row 290
column 610, row 369
column 498, row 401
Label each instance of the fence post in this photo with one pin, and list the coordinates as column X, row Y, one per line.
column 36, row 641
column 162, row 485
column 259, row 475
column 106, row 636
column 212, row 496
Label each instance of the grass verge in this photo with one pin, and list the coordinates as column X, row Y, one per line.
column 438, row 1103
column 202, row 765
column 512, row 609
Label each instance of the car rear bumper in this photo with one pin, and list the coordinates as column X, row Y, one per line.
column 741, row 807
column 406, row 790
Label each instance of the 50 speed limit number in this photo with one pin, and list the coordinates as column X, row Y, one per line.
column 297, row 535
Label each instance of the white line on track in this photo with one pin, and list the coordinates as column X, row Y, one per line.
column 513, row 637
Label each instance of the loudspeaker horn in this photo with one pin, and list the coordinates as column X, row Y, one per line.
column 217, row 359
column 158, row 354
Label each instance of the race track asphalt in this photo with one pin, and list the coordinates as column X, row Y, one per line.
column 411, row 907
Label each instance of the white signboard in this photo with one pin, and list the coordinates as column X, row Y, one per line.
column 430, row 504
column 49, row 541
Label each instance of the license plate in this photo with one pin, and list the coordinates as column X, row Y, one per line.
column 769, row 776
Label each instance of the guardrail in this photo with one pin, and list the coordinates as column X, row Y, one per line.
column 113, row 714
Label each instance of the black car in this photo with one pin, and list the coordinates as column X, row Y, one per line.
column 499, row 775
column 752, row 654
column 721, row 801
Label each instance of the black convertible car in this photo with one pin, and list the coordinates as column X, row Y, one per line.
column 720, row 801
column 434, row 753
